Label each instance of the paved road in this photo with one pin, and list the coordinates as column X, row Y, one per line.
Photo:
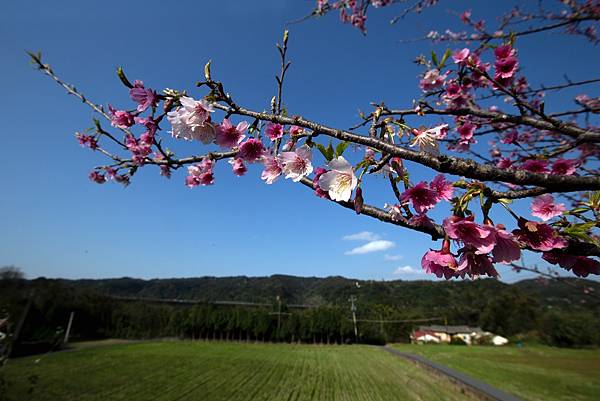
column 480, row 388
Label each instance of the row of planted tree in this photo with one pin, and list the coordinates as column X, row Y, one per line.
column 100, row 316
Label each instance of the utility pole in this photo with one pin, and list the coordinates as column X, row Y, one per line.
column 66, row 340
column 278, row 315
column 352, row 301
column 17, row 332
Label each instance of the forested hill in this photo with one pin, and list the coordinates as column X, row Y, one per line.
column 337, row 290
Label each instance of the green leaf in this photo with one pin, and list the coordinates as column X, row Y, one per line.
column 330, row 151
column 323, row 150
column 339, row 149
column 434, row 58
column 445, row 58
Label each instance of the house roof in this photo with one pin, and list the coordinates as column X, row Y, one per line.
column 450, row 329
column 419, row 333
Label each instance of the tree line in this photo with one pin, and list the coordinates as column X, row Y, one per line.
column 511, row 312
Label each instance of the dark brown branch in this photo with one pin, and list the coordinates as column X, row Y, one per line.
column 443, row 164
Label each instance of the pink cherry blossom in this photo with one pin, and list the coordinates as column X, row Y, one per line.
column 251, row 150
column 144, row 97
column 272, row 169
column 466, row 130
column 340, row 181
column 421, row 196
column 432, row 80
column 511, row 138
column 296, row 165
column 535, row 166
column 228, row 135
column 504, row 51
column 319, row 171
column 358, row 200
column 441, row 263
column 120, row 118
column 482, row 238
column 97, row 177
column 86, row 141
column 539, row 236
column 507, row 249
column 565, row 166
column 443, row 189
column 504, row 163
column 474, row 265
column 295, row 130
column 238, row 166
column 506, row 68
column 192, row 121
column 461, row 56
column 200, row 174
column 580, row 265
column 274, row 131
column 544, row 207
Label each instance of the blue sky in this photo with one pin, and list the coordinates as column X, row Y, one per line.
column 56, row 223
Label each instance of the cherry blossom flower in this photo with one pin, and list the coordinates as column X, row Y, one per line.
column 97, row 177
column 565, row 166
column 197, row 112
column 319, row 171
column 511, row 138
column 535, row 166
column 580, row 265
column 274, row 131
column 295, row 130
column 421, row 196
column 504, row 163
column 144, row 97
column 86, row 140
column 238, row 166
column 506, row 249
column 272, row 169
column 358, row 200
column 432, row 80
column 544, row 207
column 473, row 264
column 466, row 130
column 441, row 263
column 539, row 236
column 426, row 141
column 340, row 181
column 296, row 165
column 200, row 174
column 148, row 122
column 228, row 135
column 120, row 118
column 439, row 131
column 192, row 121
column 461, row 56
column 482, row 238
column 506, row 67
column 443, row 189
column 251, row 150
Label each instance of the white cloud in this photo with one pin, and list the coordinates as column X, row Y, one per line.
column 394, row 257
column 362, row 236
column 407, row 270
column 372, row 246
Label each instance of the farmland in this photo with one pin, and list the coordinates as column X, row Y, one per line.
column 535, row 373
column 225, row 371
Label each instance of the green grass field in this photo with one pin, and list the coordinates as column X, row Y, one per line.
column 225, row 371
column 535, row 373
